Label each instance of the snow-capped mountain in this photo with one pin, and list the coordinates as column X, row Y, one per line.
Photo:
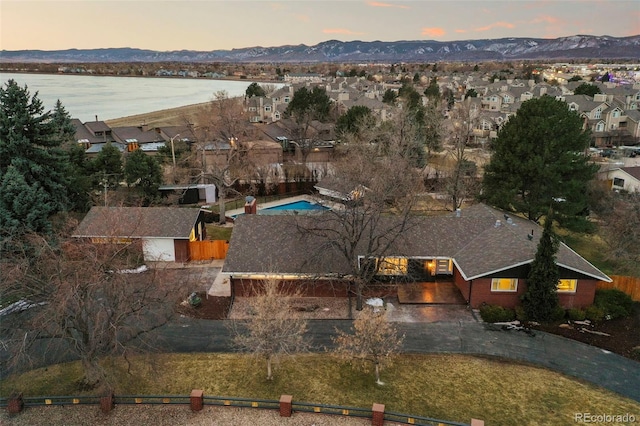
column 573, row 47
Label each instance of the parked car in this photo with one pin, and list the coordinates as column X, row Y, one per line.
column 607, row 153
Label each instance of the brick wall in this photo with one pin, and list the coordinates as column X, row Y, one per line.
column 481, row 293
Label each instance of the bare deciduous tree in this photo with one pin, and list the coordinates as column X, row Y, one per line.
column 220, row 130
column 274, row 329
column 461, row 181
column 374, row 340
column 381, row 187
column 89, row 298
column 621, row 231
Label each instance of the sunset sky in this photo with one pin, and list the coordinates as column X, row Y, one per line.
column 226, row 24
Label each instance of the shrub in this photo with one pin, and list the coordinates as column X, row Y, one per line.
column 576, row 314
column 594, row 313
column 614, row 303
column 495, row 313
column 521, row 314
column 558, row 314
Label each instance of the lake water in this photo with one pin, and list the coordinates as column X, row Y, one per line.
column 84, row 96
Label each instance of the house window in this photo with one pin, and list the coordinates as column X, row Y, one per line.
column 618, row 182
column 597, row 113
column 568, row 286
column 616, row 113
column 267, row 108
column 600, row 127
column 393, row 266
column 504, row 284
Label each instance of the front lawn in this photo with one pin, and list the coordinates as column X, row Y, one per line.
column 451, row 387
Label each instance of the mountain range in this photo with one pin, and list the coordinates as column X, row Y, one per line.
column 572, row 47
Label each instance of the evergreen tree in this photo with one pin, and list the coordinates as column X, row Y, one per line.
column 143, row 172
column 80, row 175
column 33, row 167
column 433, row 90
column 389, row 97
column 107, row 167
column 254, row 89
column 61, row 120
column 538, row 158
column 541, row 299
column 352, row 121
column 587, row 89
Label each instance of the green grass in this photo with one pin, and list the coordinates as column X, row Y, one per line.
column 592, row 248
column 451, row 387
column 215, row 232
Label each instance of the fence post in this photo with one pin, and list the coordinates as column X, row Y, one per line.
column 285, row 405
column 377, row 419
column 196, row 399
column 15, row 404
column 107, row 403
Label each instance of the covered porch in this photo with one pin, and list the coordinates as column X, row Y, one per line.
column 442, row 292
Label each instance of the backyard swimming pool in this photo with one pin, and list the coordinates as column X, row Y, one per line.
column 294, row 207
column 297, row 205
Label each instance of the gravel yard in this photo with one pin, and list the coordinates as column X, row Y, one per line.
column 170, row 415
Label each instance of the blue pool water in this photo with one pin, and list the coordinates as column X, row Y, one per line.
column 302, row 207
column 297, row 205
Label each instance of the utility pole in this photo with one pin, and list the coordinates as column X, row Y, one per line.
column 173, row 156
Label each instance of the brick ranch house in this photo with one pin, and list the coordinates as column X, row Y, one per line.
column 165, row 232
column 483, row 252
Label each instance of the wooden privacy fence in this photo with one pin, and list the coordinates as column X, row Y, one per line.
column 629, row 285
column 208, row 249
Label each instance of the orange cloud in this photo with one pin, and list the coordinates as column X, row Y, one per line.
column 495, row 25
column 380, row 4
column 340, row 31
column 433, row 32
column 303, row 18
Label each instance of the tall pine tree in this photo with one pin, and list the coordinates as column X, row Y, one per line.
column 143, row 172
column 541, row 299
column 539, row 156
column 33, row 167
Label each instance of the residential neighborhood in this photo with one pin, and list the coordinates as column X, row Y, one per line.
column 442, row 204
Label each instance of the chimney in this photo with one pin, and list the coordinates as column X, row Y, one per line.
column 96, row 117
column 530, row 236
column 250, row 206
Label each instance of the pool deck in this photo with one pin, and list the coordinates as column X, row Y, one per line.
column 308, row 198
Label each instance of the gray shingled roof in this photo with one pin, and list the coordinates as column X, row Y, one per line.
column 277, row 244
column 138, row 222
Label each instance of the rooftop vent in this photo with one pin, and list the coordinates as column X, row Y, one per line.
column 498, row 223
column 458, row 212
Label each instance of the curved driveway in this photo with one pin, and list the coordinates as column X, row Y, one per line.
column 572, row 358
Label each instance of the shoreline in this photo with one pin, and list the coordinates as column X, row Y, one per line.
column 248, row 80
column 165, row 117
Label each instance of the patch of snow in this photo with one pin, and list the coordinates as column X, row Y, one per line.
column 138, row 270
column 19, row 306
column 375, row 301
